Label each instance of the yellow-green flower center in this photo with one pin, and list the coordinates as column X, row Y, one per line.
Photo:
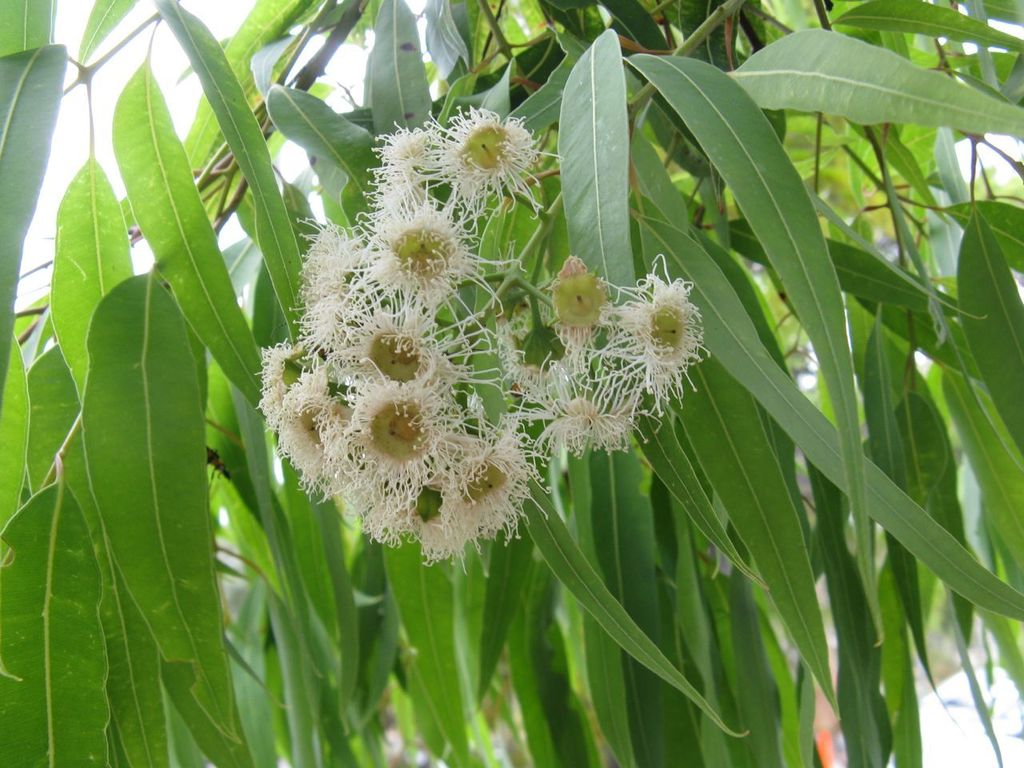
column 395, row 357
column 397, row 432
column 485, row 147
column 667, row 328
column 423, row 252
column 578, row 300
column 488, row 481
column 308, row 420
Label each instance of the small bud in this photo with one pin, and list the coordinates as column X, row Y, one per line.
column 579, row 295
column 428, row 504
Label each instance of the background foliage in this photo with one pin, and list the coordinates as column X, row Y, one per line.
column 833, row 521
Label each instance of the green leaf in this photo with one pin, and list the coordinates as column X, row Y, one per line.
column 672, row 466
column 569, row 565
column 245, row 138
column 425, row 603
column 1006, row 222
column 395, row 73
column 593, row 145
column 994, row 321
column 924, row 19
column 267, row 21
column 27, row 24
column 507, row 573
column 92, row 256
column 13, row 435
column 818, row 71
column 322, row 132
column 541, row 108
column 52, row 707
column 1009, row 10
column 995, row 462
column 731, row 338
column 103, row 19
column 30, row 92
column 725, row 425
column 744, row 148
column 167, row 207
column 444, row 42
column 144, row 438
column 53, row 406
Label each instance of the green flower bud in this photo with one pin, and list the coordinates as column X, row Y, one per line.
column 428, row 504
column 668, row 328
column 491, row 479
column 423, row 252
column 395, row 358
column 485, row 146
column 396, row 431
column 578, row 295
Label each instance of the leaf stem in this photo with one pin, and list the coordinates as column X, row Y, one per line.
column 492, row 22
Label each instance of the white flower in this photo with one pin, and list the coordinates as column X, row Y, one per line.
column 481, row 155
column 583, row 411
column 422, row 252
column 394, row 445
column 280, row 370
column 311, row 422
column 333, row 288
column 402, row 176
column 655, row 338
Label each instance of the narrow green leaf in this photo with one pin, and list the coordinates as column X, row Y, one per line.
column 103, row 19
column 724, row 424
column 924, row 19
column 245, row 138
column 424, row 596
column 13, row 435
column 994, row 321
column 818, row 71
column 267, row 21
column 732, row 340
column 860, row 703
column 1006, row 222
column 144, row 438
column 541, row 108
column 995, row 461
column 1009, row 10
column 444, row 42
column 508, row 570
column 27, row 24
column 672, row 466
column 52, row 707
column 397, row 79
column 593, row 144
column 30, row 92
column 92, row 256
column 170, row 213
column 569, row 565
column 744, row 148
column 757, row 696
column 322, row 132
column 53, row 406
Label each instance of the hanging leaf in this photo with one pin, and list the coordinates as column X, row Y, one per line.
column 398, row 82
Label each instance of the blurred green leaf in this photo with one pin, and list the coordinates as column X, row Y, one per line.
column 731, row 338
column 818, row 71
column 424, row 596
column 593, row 144
column 738, row 138
column 925, row 19
column 103, row 19
column 27, row 24
column 1006, row 222
column 508, row 570
column 13, row 435
column 52, row 707
column 395, row 74
column 168, row 209
column 92, row 256
column 143, row 431
column 245, row 138
column 30, row 93
column 994, row 321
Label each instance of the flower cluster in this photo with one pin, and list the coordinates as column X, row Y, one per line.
column 381, row 399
